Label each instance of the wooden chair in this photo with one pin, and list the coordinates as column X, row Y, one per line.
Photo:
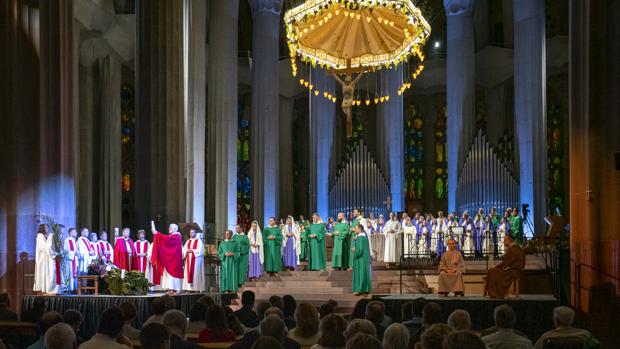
column 83, row 284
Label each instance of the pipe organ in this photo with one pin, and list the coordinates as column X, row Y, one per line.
column 485, row 181
column 359, row 183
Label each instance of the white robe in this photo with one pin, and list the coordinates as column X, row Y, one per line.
column 84, row 254
column 149, row 270
column 71, row 257
column 105, row 249
column 392, row 251
column 409, row 234
column 501, row 233
column 487, row 241
column 468, row 244
column 422, row 247
column 198, row 283
column 142, row 247
column 296, row 236
column 45, row 265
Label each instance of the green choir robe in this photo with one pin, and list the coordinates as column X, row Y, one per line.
column 316, row 257
column 303, row 254
column 351, row 241
column 516, row 226
column 243, row 263
column 340, row 252
column 228, row 270
column 362, row 282
column 273, row 249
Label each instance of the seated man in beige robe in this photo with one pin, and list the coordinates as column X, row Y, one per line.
column 500, row 277
column 451, row 269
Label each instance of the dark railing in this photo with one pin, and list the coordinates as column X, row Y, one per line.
column 578, row 286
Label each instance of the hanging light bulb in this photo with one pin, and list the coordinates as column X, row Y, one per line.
column 358, row 16
column 368, row 19
column 325, row 94
column 301, row 81
column 368, row 102
column 376, row 100
column 382, row 99
column 316, row 92
column 387, row 98
column 306, row 83
column 311, row 86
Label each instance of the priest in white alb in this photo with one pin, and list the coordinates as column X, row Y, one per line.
column 193, row 253
column 46, row 276
column 142, row 249
column 104, row 249
column 86, row 252
column 71, row 249
column 167, row 255
column 392, row 230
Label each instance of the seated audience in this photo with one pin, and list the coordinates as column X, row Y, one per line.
column 246, row 315
column 290, row 305
column 160, row 306
column 375, row 313
column 271, row 326
column 109, row 333
column 500, row 277
column 176, row 322
column 217, row 327
column 275, row 311
column 326, row 309
column 463, row 340
column 2, row 346
column 431, row 314
column 60, row 336
column 563, row 318
column 459, row 320
column 396, row 336
column 46, row 321
column 413, row 312
column 233, row 323
column 359, row 326
column 333, row 302
column 359, row 310
column 36, row 311
column 197, row 317
column 364, row 341
column 129, row 314
column 505, row 337
column 307, row 330
column 267, row 342
column 451, row 269
column 261, row 308
column 154, row 336
column 434, row 337
column 74, row 319
column 331, row 332
column 277, row 301
column 207, row 300
column 6, row 314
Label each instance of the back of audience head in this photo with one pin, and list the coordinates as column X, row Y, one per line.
column 207, row 300
column 307, row 320
column 563, row 316
column 111, row 322
column 290, row 304
column 5, row 299
column 412, row 309
column 163, row 304
column 175, row 321
column 154, row 336
column 129, row 311
column 60, row 336
column 463, row 340
column 326, row 309
column 273, row 326
column 359, row 310
column 49, row 319
column 261, row 308
column 198, row 312
column 375, row 311
column 459, row 320
column 73, row 318
column 431, row 313
column 434, row 336
column 504, row 316
column 359, row 326
column 275, row 311
column 277, row 301
column 216, row 319
column 396, row 336
column 333, row 302
column 363, row 341
column 331, row 331
column 267, row 342
column 248, row 298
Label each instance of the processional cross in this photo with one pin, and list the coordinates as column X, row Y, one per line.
column 348, row 89
column 388, row 203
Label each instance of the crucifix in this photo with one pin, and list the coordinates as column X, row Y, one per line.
column 388, row 203
column 348, row 88
column 589, row 193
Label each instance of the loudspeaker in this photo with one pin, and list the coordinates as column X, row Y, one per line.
column 617, row 156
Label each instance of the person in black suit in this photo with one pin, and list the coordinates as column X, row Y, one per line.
column 246, row 315
column 176, row 322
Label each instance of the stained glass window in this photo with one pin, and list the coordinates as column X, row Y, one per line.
column 555, row 165
column 414, row 156
column 441, row 157
column 127, row 152
column 244, row 200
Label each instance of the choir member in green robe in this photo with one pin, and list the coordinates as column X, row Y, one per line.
column 358, row 218
column 340, row 252
column 303, row 232
column 316, row 241
column 362, row 282
column 229, row 255
column 244, row 249
column 516, row 226
column 272, row 238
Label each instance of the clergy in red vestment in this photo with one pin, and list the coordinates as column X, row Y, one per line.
column 168, row 258
column 125, row 256
column 142, row 249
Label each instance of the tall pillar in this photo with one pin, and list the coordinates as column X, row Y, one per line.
column 460, row 86
column 265, row 107
column 594, row 125
column 391, row 112
column 160, row 170
column 195, row 115
column 530, row 108
column 322, row 112
column 222, row 114
column 286, row 157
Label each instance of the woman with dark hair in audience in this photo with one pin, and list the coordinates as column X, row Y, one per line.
column 326, row 309
column 364, row 341
column 290, row 305
column 197, row 317
column 359, row 310
column 331, row 332
column 217, row 327
column 307, row 330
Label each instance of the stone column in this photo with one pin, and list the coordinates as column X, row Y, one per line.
column 460, row 86
column 530, row 108
column 391, row 113
column 195, row 116
column 322, row 112
column 286, row 157
column 265, row 107
column 160, row 165
column 222, row 115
